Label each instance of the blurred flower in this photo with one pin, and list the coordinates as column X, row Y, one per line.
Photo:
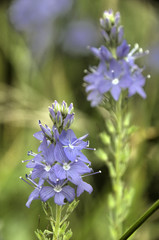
column 27, row 14
column 152, row 62
column 36, row 20
column 77, row 36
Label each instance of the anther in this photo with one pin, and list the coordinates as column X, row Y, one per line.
column 148, row 76
column 140, row 50
column 136, row 46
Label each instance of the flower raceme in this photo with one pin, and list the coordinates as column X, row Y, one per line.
column 117, row 69
column 59, row 161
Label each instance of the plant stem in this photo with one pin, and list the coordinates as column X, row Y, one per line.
column 117, row 180
column 57, row 223
column 140, row 221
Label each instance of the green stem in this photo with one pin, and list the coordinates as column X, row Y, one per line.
column 140, row 221
column 57, row 223
column 117, row 180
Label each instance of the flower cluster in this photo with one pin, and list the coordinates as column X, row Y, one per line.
column 59, row 162
column 117, row 69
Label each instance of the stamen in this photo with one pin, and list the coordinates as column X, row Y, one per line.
column 148, row 76
column 27, row 177
column 23, row 161
column 31, row 153
column 140, row 50
column 26, row 181
column 94, row 149
column 81, row 138
column 136, row 46
column 90, row 174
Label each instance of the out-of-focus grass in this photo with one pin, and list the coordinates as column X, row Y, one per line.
column 26, row 90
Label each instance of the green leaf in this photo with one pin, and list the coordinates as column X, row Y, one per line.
column 67, row 235
column 101, row 154
column 105, row 138
column 110, row 126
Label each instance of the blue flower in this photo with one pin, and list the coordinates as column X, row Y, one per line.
column 113, row 77
column 33, row 196
column 71, row 144
column 22, row 12
column 59, row 162
column 66, row 169
column 77, row 35
column 117, row 70
column 43, row 164
column 36, row 20
column 138, row 81
column 59, row 190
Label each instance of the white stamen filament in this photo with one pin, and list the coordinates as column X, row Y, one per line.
column 90, row 174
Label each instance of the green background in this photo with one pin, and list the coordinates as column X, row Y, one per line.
column 28, row 87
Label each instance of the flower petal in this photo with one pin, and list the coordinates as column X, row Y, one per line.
column 46, row 193
column 34, row 195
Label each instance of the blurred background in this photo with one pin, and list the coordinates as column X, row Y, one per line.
column 43, row 54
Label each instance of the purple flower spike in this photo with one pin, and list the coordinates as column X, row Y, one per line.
column 59, row 166
column 117, row 70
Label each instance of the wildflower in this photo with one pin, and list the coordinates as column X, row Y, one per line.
column 117, row 70
column 137, row 84
column 59, row 190
column 61, row 115
column 71, row 144
column 66, row 169
column 38, row 29
column 59, row 161
column 78, row 35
